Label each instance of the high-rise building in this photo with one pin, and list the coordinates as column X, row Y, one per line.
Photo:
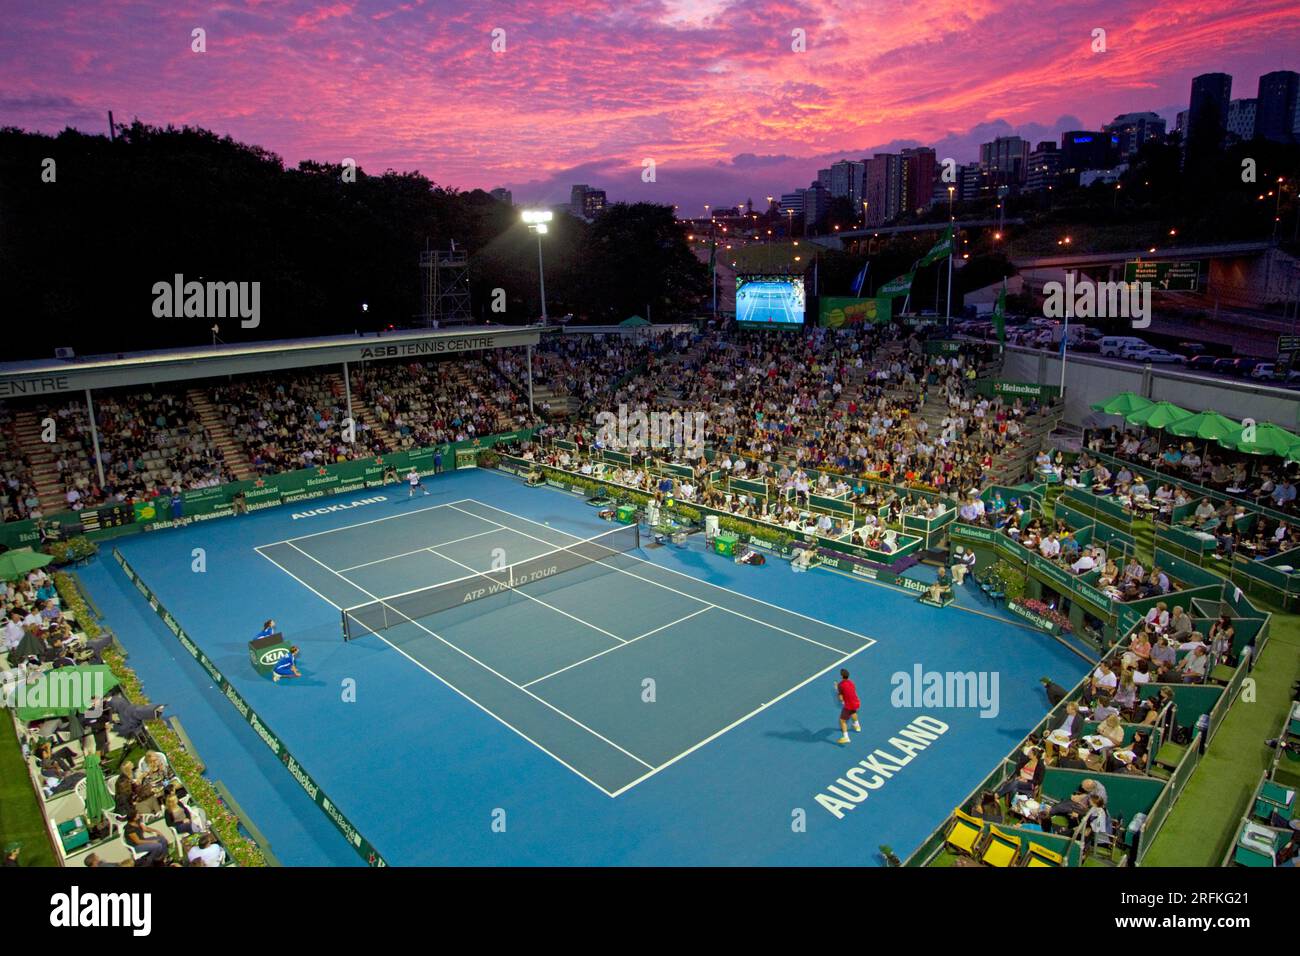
column 846, row 180
column 975, row 182
column 1133, row 130
column 1044, row 165
column 585, row 202
column 792, row 203
column 816, row 200
column 1086, row 149
column 502, row 194
column 1242, row 115
column 1207, row 113
column 824, row 177
column 1277, row 115
column 917, row 168
column 1006, row 160
column 884, row 182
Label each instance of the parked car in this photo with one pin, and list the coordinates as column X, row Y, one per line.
column 1113, row 346
column 1224, row 365
column 1087, row 345
column 1201, row 363
column 1153, row 355
column 1265, row 370
column 1242, row 367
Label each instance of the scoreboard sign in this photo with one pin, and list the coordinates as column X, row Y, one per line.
column 109, row 516
column 1169, row 276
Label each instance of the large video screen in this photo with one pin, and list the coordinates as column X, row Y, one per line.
column 770, row 301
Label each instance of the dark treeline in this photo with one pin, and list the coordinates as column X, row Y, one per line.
column 79, row 256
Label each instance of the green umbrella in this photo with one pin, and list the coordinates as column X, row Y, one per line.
column 1269, row 439
column 1157, row 415
column 64, row 691
column 1207, row 426
column 98, row 798
column 15, row 564
column 1124, row 404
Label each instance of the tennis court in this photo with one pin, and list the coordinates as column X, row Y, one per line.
column 615, row 666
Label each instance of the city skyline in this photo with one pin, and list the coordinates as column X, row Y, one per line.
column 711, row 91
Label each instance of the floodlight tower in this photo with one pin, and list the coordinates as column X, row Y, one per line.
column 537, row 220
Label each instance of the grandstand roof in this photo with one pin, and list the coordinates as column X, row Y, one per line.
column 56, row 376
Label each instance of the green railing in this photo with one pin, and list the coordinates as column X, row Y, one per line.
column 364, row 848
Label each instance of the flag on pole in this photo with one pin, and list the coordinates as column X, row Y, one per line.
column 860, row 280
column 896, row 287
column 1000, row 315
column 942, row 249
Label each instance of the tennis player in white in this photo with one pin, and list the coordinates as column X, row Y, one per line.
column 414, row 479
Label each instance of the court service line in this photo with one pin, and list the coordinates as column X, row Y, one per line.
column 680, row 574
column 633, row 640
column 259, row 550
column 405, row 554
column 736, row 723
column 530, row 597
column 486, row 667
column 692, row 597
column 446, row 683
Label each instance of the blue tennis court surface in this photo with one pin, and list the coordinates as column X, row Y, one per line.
column 662, row 706
column 567, row 660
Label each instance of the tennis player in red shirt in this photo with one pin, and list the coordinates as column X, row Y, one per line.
column 849, row 704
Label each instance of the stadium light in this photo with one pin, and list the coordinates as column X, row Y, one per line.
column 537, row 220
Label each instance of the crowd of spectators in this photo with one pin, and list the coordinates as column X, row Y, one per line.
column 151, row 809
column 845, row 401
column 19, row 499
column 1229, row 521
column 291, row 422
column 430, row 404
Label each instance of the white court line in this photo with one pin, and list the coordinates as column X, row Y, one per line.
column 400, row 514
column 692, row 597
column 736, row 723
column 404, row 554
column 491, row 713
column 868, row 642
column 530, row 597
column 716, row 587
column 486, row 667
column 624, row 644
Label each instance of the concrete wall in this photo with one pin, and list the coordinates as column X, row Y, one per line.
column 1089, row 379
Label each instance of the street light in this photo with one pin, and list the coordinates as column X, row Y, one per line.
column 537, row 220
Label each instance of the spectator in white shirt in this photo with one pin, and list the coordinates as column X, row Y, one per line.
column 207, row 852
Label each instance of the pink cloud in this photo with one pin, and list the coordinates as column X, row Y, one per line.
column 598, row 86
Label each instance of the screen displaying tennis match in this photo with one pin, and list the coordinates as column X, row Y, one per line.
column 769, row 301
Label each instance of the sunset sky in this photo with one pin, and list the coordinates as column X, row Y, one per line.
column 585, row 91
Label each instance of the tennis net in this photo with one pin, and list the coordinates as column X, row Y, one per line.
column 384, row 613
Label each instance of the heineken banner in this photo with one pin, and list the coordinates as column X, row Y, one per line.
column 359, row 843
column 836, row 312
column 1021, row 389
column 895, row 288
column 942, row 346
column 266, row 491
